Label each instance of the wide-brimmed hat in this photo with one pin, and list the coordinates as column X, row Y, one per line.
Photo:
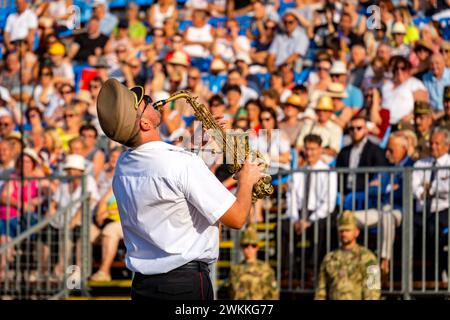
column 325, row 103
column 57, row 49
column 294, row 100
column 117, row 108
column 338, row 67
column 398, row 28
column 32, row 154
column 424, row 44
column 336, row 90
column 84, row 96
column 75, row 161
column 179, row 58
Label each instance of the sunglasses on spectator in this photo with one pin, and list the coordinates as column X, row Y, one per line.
column 33, row 115
column 402, row 68
column 215, row 105
column 249, row 245
column 319, row 68
column 335, row 75
column 5, row 124
column 444, row 50
column 89, row 135
column 265, row 119
column 69, row 115
column 121, row 50
column 66, row 92
column 355, row 128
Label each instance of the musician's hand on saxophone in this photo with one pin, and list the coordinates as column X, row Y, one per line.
column 251, row 171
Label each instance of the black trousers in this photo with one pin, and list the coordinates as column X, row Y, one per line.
column 189, row 282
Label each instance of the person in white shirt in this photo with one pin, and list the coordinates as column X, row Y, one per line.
column 432, row 192
column 170, row 203
column 21, row 25
column 399, row 95
column 312, row 196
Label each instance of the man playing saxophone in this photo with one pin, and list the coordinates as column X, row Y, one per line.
column 170, row 204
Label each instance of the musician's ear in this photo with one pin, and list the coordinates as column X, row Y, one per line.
column 145, row 124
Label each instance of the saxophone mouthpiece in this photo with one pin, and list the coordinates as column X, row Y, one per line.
column 158, row 105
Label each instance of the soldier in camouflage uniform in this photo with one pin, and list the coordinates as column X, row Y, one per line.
column 444, row 121
column 350, row 272
column 423, row 120
column 252, row 279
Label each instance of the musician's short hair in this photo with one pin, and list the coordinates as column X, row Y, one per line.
column 312, row 138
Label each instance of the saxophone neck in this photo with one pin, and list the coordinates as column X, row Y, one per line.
column 183, row 94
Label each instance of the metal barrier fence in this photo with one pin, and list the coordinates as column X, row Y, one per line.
column 39, row 239
column 398, row 223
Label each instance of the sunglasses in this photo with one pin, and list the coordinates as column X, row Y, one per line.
column 46, row 74
column 266, row 119
column 215, row 105
column 249, row 245
column 147, row 100
column 356, row 128
column 69, row 115
column 402, row 68
column 289, row 21
column 324, row 69
column 66, row 92
column 5, row 124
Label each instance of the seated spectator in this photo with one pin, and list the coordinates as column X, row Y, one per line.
column 60, row 13
column 218, row 109
column 160, row 11
column 7, row 125
column 289, row 47
column 276, row 83
column 423, row 50
column 243, row 63
column 291, row 124
column 342, row 114
column 339, row 73
column 271, row 100
column 11, row 197
column 106, row 175
column 254, row 108
column 65, row 193
column 238, row 8
column 72, row 124
column 7, row 160
column 445, row 51
column 136, row 29
column 262, row 13
column 399, row 47
column 319, row 80
column 329, row 132
column 198, row 38
column 312, row 195
column 423, row 125
column 435, row 80
column 235, row 78
column 93, row 153
column 375, row 75
column 20, row 25
column 357, row 65
column 91, row 43
column 359, row 154
column 107, row 20
column 444, row 121
column 399, row 95
column 61, row 68
column 259, row 52
column 9, row 76
column 35, row 125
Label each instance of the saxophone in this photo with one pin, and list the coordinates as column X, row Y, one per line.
column 263, row 187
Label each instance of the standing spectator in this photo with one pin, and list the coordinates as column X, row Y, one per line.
column 399, row 94
column 107, row 21
column 361, row 153
column 431, row 190
column 312, row 196
column 435, row 80
column 89, row 43
column 290, row 46
column 329, row 132
column 198, row 38
column 350, row 272
column 339, row 73
column 21, row 25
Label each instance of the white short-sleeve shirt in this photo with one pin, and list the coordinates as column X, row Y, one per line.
column 19, row 25
column 169, row 204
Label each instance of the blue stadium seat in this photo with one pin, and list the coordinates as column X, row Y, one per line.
column 301, row 77
column 184, row 24
column 284, row 6
column 264, row 78
column 201, row 63
column 77, row 70
column 445, row 27
column 244, row 23
column 421, row 20
column 144, row 3
column 116, row 4
column 216, row 82
column 215, row 21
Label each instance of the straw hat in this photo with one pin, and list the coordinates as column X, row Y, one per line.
column 84, row 96
column 336, row 90
column 398, row 28
column 117, row 108
column 179, row 58
column 338, row 67
column 32, row 154
column 294, row 100
column 325, row 103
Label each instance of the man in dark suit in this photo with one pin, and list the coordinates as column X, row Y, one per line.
column 360, row 153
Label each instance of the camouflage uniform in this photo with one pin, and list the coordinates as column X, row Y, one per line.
column 349, row 274
column 423, row 139
column 252, row 280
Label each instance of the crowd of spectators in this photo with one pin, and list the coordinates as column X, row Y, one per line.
column 329, row 83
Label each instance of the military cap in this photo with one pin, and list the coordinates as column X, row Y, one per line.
column 117, row 108
column 422, row 108
column 446, row 92
column 249, row 236
column 347, row 221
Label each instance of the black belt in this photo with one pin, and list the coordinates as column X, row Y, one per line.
column 193, row 266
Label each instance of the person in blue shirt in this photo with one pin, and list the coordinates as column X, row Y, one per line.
column 435, row 80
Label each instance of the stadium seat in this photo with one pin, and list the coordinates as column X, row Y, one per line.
column 301, row 77
column 117, row 4
column 445, row 27
column 264, row 79
column 216, row 82
column 244, row 23
column 215, row 21
column 284, row 6
column 184, row 24
column 144, row 3
column 201, row 63
column 421, row 20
